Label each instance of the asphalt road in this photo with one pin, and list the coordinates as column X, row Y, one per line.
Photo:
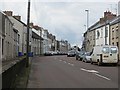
column 66, row 72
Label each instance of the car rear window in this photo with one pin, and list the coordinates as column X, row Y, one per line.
column 113, row 50
column 105, row 50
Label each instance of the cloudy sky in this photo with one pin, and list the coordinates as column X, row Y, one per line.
column 63, row 18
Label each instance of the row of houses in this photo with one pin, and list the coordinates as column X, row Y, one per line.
column 13, row 38
column 106, row 31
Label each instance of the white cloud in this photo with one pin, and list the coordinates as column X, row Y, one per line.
column 64, row 19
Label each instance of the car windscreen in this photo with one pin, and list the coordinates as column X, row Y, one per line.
column 113, row 50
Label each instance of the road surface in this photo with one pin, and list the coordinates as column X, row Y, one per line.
column 66, row 72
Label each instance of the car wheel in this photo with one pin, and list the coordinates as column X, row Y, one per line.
column 99, row 63
column 91, row 61
column 80, row 59
column 76, row 58
column 85, row 61
column 115, row 64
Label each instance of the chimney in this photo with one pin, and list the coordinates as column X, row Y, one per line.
column 17, row 17
column 8, row 13
column 108, row 15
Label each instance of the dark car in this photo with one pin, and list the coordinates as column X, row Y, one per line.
column 71, row 53
column 80, row 55
column 48, row 53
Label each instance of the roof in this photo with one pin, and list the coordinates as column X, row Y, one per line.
column 93, row 26
column 115, row 21
column 98, row 25
column 34, row 35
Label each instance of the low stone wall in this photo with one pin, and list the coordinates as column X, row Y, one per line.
column 11, row 71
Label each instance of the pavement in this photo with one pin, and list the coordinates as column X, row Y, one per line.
column 66, row 72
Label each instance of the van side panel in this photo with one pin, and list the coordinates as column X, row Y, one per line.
column 109, row 57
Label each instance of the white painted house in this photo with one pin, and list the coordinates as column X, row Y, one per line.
column 45, row 41
column 102, row 35
column 102, row 30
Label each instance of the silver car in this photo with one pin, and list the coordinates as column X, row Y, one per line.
column 86, row 57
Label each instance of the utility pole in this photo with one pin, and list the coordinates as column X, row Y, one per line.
column 28, row 21
column 40, row 40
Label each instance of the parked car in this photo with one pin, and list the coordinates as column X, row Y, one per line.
column 79, row 55
column 104, row 54
column 71, row 53
column 86, row 57
column 48, row 53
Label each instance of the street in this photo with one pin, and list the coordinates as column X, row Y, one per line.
column 66, row 72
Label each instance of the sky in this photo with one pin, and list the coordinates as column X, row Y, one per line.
column 66, row 19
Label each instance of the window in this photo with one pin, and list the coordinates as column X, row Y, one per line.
column 98, row 34
column 105, row 50
column 101, row 32
column 2, row 46
column 106, row 32
column 117, row 33
column 113, row 50
column 113, row 34
column 113, row 43
column 117, row 43
column 9, row 29
column 18, row 38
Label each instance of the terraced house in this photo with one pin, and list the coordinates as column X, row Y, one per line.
column 7, row 37
column 114, row 32
column 98, row 34
column 21, row 27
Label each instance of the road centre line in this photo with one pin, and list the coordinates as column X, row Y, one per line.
column 72, row 64
column 102, row 76
column 60, row 60
column 69, row 63
column 95, row 72
column 64, row 61
column 91, row 71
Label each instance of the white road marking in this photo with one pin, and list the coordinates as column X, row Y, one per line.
column 96, row 73
column 72, row 64
column 60, row 60
column 102, row 76
column 64, row 61
column 69, row 63
column 91, row 71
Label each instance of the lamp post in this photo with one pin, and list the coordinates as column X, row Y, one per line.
column 87, row 18
column 28, row 21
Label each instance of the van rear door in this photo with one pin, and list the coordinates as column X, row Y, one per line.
column 110, row 54
column 113, row 57
column 105, row 55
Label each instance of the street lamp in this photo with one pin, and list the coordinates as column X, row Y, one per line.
column 87, row 18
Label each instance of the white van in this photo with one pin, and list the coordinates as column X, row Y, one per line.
column 104, row 54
